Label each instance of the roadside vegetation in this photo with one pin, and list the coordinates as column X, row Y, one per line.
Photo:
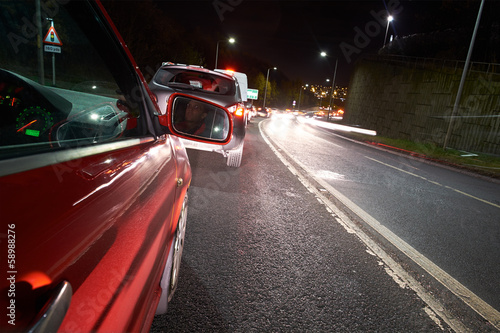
column 488, row 165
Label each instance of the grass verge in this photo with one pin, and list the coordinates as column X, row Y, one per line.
column 484, row 164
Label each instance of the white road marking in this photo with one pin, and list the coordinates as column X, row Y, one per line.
column 435, row 183
column 467, row 296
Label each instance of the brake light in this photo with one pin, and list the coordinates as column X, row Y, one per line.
column 237, row 110
column 240, row 112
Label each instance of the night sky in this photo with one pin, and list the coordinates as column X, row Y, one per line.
column 291, row 34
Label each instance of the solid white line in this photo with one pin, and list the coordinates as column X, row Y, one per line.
column 436, row 183
column 476, row 303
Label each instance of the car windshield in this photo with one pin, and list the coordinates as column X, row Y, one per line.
column 191, row 79
column 66, row 92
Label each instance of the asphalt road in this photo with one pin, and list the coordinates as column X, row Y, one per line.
column 449, row 217
column 267, row 251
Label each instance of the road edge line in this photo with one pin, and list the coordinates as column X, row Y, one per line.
column 444, row 278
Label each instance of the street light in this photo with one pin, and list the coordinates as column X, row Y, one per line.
column 300, row 94
column 329, row 105
column 265, row 90
column 323, row 54
column 464, row 76
column 389, row 20
column 230, row 40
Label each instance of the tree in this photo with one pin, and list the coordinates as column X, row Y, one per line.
column 151, row 35
column 261, row 86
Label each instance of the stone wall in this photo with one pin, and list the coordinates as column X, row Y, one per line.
column 414, row 101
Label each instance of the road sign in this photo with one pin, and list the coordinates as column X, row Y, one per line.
column 52, row 38
column 52, row 48
column 252, row 94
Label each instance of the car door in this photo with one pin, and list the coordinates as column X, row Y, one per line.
column 97, row 222
column 87, row 184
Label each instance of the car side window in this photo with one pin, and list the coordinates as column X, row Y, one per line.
column 65, row 91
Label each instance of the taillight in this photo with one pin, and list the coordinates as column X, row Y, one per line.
column 237, row 110
column 240, row 112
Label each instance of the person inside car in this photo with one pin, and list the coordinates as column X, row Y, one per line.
column 194, row 117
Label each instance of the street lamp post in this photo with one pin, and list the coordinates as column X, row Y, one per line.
column 230, row 40
column 464, row 76
column 51, row 20
column 300, row 94
column 265, row 89
column 389, row 20
column 331, row 92
column 323, row 54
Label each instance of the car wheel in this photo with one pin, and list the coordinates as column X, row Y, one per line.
column 178, row 247
column 234, row 157
column 170, row 276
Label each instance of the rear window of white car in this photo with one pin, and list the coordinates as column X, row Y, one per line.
column 189, row 79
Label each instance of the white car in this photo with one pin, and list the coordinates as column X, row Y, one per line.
column 218, row 87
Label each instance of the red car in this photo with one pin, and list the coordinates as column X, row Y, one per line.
column 94, row 179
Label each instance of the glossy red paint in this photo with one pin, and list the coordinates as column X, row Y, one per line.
column 100, row 216
column 104, row 223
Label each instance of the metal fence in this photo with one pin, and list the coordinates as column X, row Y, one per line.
column 441, row 65
column 412, row 98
